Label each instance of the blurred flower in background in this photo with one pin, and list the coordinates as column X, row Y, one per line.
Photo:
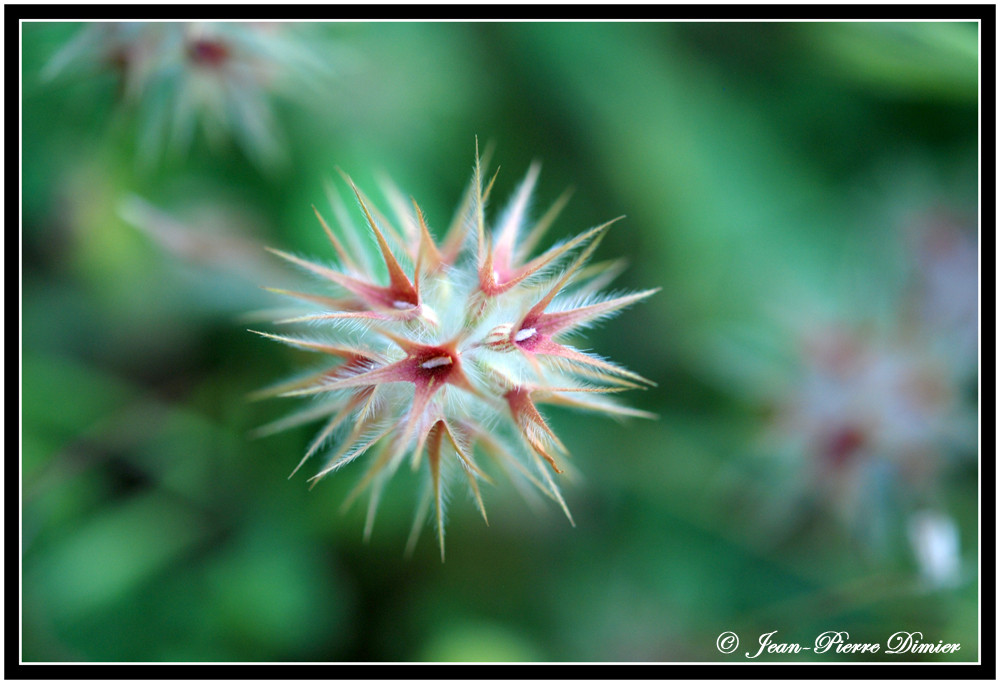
column 876, row 422
column 216, row 77
column 869, row 414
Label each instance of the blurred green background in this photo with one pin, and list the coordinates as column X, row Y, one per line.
column 758, row 164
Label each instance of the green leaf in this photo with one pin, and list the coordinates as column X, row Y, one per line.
column 110, row 555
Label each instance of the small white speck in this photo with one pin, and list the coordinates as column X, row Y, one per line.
column 436, row 362
column 524, row 334
column 401, row 305
column 935, row 542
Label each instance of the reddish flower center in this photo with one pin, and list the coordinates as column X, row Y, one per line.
column 119, row 59
column 843, row 444
column 435, row 364
column 208, row 53
column 527, row 338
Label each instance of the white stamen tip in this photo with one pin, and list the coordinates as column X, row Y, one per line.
column 436, row 362
column 524, row 334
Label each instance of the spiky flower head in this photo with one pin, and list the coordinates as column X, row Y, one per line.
column 443, row 350
column 182, row 76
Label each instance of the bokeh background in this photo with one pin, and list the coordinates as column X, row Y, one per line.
column 802, row 192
